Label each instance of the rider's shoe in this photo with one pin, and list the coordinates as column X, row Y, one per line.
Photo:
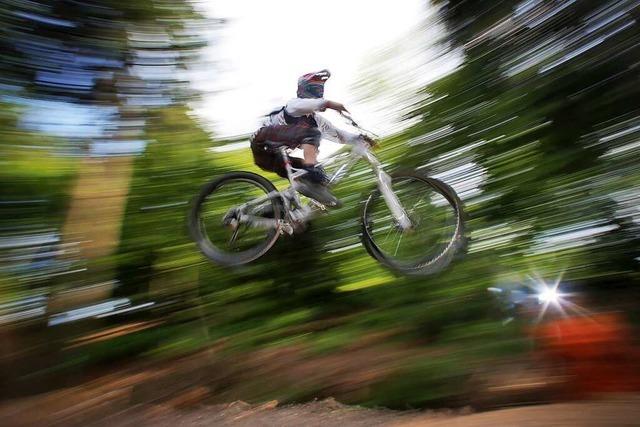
column 316, row 174
column 313, row 184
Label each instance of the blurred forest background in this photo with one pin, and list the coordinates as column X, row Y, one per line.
column 537, row 129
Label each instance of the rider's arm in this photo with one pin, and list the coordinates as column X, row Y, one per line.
column 332, row 133
column 301, row 106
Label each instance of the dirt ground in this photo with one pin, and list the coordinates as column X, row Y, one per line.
column 623, row 410
column 192, row 391
column 620, row 412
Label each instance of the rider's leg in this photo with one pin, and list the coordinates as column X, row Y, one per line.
column 310, row 154
column 312, row 183
column 309, row 142
column 292, row 136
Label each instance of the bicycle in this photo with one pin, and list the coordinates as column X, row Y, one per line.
column 238, row 217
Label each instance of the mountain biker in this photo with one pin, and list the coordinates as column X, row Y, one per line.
column 297, row 125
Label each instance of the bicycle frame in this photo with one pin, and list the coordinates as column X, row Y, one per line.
column 302, row 213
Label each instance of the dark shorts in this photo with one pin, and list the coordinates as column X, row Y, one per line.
column 292, row 136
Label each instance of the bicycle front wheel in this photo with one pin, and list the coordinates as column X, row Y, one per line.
column 215, row 223
column 436, row 232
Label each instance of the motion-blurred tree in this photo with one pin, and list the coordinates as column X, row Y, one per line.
column 539, row 82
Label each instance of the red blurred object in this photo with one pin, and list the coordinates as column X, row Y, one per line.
column 597, row 352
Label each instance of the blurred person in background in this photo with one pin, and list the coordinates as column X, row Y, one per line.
column 295, row 125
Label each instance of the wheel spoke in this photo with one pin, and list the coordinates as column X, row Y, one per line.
column 234, row 236
column 388, row 234
column 413, row 208
column 398, row 245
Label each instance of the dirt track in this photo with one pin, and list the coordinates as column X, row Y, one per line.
column 621, row 411
column 152, row 397
column 176, row 393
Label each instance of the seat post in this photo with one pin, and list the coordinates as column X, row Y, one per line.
column 287, row 166
column 287, row 162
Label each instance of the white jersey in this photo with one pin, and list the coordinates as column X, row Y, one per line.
column 298, row 107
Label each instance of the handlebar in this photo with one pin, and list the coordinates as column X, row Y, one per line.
column 353, row 123
column 348, row 116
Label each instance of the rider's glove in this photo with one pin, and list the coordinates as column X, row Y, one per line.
column 372, row 142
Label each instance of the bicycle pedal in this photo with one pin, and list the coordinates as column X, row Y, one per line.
column 318, row 205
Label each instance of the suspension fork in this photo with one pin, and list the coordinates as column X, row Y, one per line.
column 384, row 184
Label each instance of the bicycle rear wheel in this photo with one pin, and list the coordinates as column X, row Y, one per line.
column 437, row 231
column 214, row 218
